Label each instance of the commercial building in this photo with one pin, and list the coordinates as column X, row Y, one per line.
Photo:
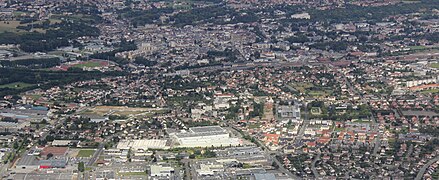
column 161, row 171
column 206, row 136
column 143, row 144
column 289, row 111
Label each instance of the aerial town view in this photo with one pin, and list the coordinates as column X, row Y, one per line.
column 219, row 89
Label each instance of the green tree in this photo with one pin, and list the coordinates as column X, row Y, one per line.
column 81, row 167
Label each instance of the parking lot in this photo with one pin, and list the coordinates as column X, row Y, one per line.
column 38, row 176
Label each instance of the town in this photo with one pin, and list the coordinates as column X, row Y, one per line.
column 219, row 89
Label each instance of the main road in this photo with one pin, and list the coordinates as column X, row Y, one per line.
column 424, row 168
column 269, row 153
column 96, row 154
column 313, row 166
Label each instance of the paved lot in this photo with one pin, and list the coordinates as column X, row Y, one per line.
column 37, row 176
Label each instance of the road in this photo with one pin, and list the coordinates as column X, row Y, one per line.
column 272, row 157
column 96, row 154
column 187, row 169
column 4, row 169
column 374, row 124
column 305, row 124
column 424, row 168
column 313, row 166
column 409, row 152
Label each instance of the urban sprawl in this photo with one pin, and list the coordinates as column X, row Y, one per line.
column 219, row 89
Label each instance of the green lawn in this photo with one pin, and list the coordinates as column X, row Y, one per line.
column 254, row 126
column 88, row 64
column 430, row 91
column 16, row 85
column 339, row 129
column 315, row 110
column 362, row 121
column 434, row 65
column 86, row 153
column 301, row 87
column 414, row 48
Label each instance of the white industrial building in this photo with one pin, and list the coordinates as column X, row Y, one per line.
column 206, row 136
column 161, row 171
column 143, row 144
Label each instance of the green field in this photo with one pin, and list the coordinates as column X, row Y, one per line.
column 434, row 65
column 414, row 48
column 254, row 126
column 430, row 91
column 16, row 85
column 315, row 110
column 362, row 121
column 308, row 88
column 88, row 64
column 301, row 87
column 9, row 26
column 86, row 153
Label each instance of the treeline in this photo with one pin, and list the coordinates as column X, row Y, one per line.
column 32, row 63
column 145, row 62
column 111, row 55
column 141, row 18
column 331, row 45
column 210, row 14
column 51, row 39
column 45, row 79
column 356, row 13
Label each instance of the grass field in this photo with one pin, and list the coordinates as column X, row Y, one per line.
column 307, row 88
column 86, row 153
column 414, row 48
column 434, row 65
column 430, row 91
column 301, row 87
column 16, row 85
column 88, row 64
column 362, row 121
column 9, row 26
column 254, row 126
column 339, row 129
column 315, row 110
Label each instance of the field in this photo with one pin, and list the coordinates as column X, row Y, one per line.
column 362, row 121
column 88, row 64
column 85, row 153
column 430, row 91
column 16, row 85
column 9, row 26
column 254, row 126
column 121, row 111
column 434, row 65
column 316, row 110
column 415, row 48
column 309, row 89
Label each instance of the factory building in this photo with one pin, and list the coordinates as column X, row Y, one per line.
column 206, row 136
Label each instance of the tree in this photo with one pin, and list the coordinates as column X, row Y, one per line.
column 15, row 146
column 81, row 167
column 49, row 155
